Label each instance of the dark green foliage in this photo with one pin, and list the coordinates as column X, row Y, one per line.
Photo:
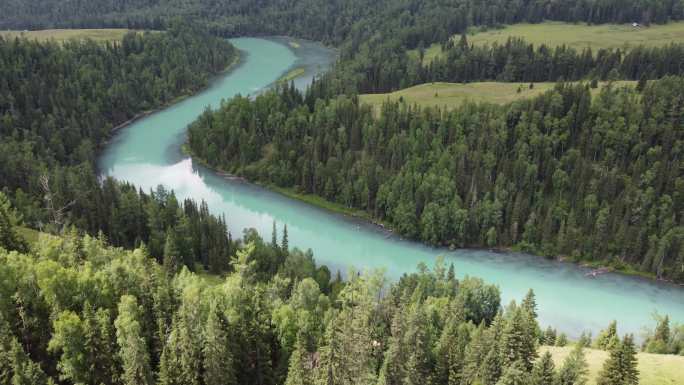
column 59, row 104
column 9, row 239
column 562, row 174
column 620, row 367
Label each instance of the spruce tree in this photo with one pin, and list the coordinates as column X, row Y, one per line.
column 575, row 369
column 285, row 245
column 621, row 366
column 133, row 351
column 24, row 370
column 544, row 371
column 216, row 351
column 172, row 258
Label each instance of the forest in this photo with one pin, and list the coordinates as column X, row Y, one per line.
column 331, row 21
column 74, row 310
column 591, row 178
column 59, row 104
column 129, row 287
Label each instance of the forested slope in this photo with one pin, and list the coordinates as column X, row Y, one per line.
column 58, row 106
column 561, row 174
column 330, row 21
column 75, row 311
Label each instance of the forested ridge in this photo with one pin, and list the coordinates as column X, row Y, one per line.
column 594, row 178
column 74, row 310
column 331, row 21
column 515, row 61
column 58, row 106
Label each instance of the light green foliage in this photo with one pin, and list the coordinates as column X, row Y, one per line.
column 607, row 338
column 574, row 370
column 9, row 219
column 133, row 351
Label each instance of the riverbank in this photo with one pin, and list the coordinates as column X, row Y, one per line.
column 597, row 267
column 236, row 62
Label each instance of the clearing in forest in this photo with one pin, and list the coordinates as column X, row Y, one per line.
column 450, row 95
column 62, row 35
column 654, row 369
column 578, row 36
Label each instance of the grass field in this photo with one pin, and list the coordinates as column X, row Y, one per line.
column 61, row 35
column 654, row 369
column 450, row 95
column 577, row 36
column 292, row 75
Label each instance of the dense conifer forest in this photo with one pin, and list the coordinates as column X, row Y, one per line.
column 565, row 173
column 59, row 105
column 135, row 287
column 74, row 310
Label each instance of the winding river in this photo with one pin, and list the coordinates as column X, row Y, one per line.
column 147, row 153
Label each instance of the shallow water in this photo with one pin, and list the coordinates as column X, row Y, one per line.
column 147, row 153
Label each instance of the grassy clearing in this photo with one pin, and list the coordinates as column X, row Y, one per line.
column 578, row 36
column 320, row 202
column 654, row 369
column 450, row 95
column 292, row 75
column 62, row 35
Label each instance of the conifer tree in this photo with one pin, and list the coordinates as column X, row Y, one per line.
column 9, row 239
column 544, row 371
column 133, row 352
column 515, row 374
column 574, row 370
column 24, row 370
column 620, row 367
column 216, row 351
column 300, row 369
column 608, row 337
column 172, row 258
column 285, row 245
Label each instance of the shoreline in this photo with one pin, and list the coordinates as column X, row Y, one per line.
column 596, row 268
column 231, row 66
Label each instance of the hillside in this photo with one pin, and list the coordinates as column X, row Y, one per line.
column 450, row 95
column 577, row 36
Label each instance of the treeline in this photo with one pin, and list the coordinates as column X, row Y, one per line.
column 564, row 174
column 518, row 61
column 75, row 311
column 58, row 106
column 331, row 21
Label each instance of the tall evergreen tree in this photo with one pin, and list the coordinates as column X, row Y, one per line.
column 621, row 366
column 133, row 352
column 216, row 351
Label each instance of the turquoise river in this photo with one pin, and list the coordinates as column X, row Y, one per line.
column 147, row 153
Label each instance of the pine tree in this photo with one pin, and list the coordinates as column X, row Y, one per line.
column 172, row 258
column 300, row 369
column 133, row 351
column 216, row 352
column 9, row 239
column 285, row 243
column 574, row 370
column 518, row 342
column 544, row 371
column 515, row 374
column 620, row 367
column 24, row 370
column 608, row 337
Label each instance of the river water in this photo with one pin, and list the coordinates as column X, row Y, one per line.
column 147, row 153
